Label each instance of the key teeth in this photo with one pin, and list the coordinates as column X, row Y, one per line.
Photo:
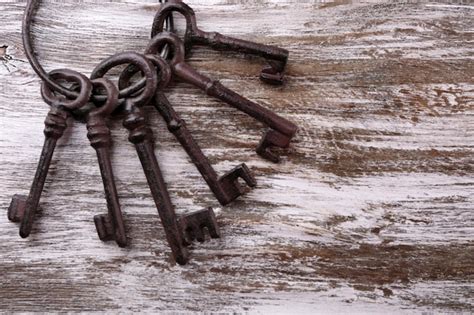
column 17, row 207
column 241, row 171
column 247, row 175
column 198, row 232
column 106, row 231
column 231, row 188
column 266, row 153
column 183, row 259
column 104, row 227
column 193, row 225
column 273, row 73
column 271, row 76
column 271, row 139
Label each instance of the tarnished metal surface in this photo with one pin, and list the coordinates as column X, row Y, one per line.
column 111, row 225
column 370, row 211
column 22, row 208
column 83, row 97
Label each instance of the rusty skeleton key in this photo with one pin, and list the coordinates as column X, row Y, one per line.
column 276, row 57
column 23, row 209
column 109, row 226
column 282, row 130
column 142, row 137
column 226, row 188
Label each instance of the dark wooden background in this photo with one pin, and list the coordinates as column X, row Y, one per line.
column 371, row 209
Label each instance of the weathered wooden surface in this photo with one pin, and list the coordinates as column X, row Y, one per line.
column 371, row 210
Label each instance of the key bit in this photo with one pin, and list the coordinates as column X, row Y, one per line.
column 227, row 188
column 284, row 129
column 193, row 226
column 230, row 184
column 105, row 228
column 23, row 209
column 270, row 140
column 276, row 57
column 109, row 226
column 16, row 210
column 273, row 73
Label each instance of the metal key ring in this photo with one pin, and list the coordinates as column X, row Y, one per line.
column 83, row 97
column 166, row 12
column 41, row 72
column 166, row 38
column 161, row 64
column 138, row 60
column 112, row 95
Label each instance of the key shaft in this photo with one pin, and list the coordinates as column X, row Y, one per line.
column 99, row 135
column 23, row 209
column 110, row 226
column 141, row 136
column 221, row 42
column 56, row 123
column 225, row 189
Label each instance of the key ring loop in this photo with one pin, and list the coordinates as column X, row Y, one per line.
column 166, row 11
column 69, row 104
column 160, row 63
column 38, row 68
column 142, row 63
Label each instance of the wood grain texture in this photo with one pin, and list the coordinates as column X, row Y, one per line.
column 371, row 210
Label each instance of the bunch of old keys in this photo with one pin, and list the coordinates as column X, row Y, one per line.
column 99, row 98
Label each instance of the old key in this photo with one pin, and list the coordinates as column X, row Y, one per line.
column 142, row 137
column 282, row 130
column 22, row 209
column 109, row 226
column 276, row 57
column 226, row 188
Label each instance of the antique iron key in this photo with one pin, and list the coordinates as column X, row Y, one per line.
column 276, row 57
column 23, row 209
column 142, row 137
column 282, row 130
column 226, row 188
column 109, row 226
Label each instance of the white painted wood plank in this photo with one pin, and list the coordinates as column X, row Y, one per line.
column 371, row 210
